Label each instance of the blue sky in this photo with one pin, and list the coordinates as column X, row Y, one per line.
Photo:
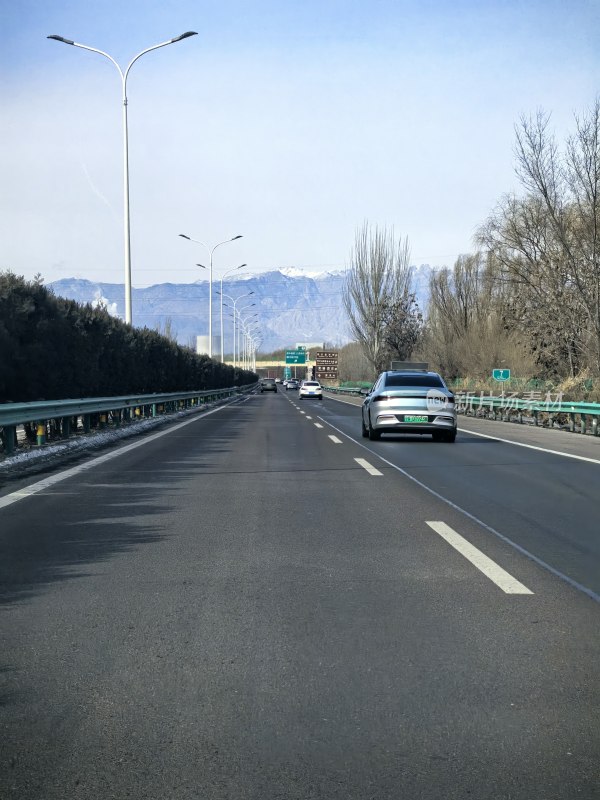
column 289, row 123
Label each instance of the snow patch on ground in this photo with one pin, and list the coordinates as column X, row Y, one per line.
column 54, row 451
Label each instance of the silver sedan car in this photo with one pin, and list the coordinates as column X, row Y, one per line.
column 409, row 401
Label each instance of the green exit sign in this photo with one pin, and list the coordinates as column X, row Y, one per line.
column 295, row 356
column 501, row 374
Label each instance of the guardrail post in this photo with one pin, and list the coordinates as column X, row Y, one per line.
column 10, row 439
column 583, row 423
column 117, row 418
column 153, row 409
column 87, row 423
column 65, row 427
column 572, row 422
column 595, row 430
column 102, row 421
column 41, row 433
column 535, row 418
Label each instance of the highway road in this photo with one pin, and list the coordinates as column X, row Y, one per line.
column 257, row 603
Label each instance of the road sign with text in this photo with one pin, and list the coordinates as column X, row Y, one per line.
column 295, row 356
column 326, row 374
column 326, row 365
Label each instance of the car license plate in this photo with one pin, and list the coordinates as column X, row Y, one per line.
column 408, row 418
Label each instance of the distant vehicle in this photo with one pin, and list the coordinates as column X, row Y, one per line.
column 268, row 385
column 292, row 383
column 284, row 383
column 310, row 389
column 410, row 401
column 277, row 380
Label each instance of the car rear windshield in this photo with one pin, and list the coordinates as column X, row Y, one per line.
column 311, row 383
column 414, row 380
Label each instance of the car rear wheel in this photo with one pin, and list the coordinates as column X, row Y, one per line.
column 374, row 435
column 365, row 430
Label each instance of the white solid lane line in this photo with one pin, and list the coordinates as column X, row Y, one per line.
column 527, row 553
column 335, row 439
column 369, row 467
column 531, row 446
column 40, row 486
column 490, row 569
column 318, row 425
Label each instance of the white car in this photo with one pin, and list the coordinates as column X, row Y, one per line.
column 310, row 389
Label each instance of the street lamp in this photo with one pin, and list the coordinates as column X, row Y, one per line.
column 252, row 330
column 222, row 276
column 242, row 322
column 235, row 302
column 210, row 292
column 186, row 35
column 245, row 324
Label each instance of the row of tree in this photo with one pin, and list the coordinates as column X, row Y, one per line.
column 52, row 348
column 529, row 297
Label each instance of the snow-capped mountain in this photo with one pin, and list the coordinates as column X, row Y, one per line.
column 291, row 305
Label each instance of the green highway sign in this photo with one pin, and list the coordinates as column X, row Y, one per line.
column 295, row 356
column 501, row 374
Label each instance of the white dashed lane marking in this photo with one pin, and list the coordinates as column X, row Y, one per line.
column 490, row 569
column 369, row 467
column 335, row 439
column 318, row 425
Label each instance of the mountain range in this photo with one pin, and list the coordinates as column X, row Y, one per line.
column 292, row 306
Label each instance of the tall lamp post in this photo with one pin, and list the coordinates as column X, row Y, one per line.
column 124, row 74
column 251, row 332
column 241, row 329
column 244, row 325
column 222, row 276
column 210, row 250
column 235, row 312
column 249, row 344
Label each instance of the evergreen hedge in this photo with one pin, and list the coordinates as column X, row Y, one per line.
column 55, row 349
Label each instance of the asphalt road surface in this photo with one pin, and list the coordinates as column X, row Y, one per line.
column 257, row 603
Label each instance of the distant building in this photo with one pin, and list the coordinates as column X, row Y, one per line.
column 202, row 346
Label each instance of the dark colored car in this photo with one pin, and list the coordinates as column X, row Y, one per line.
column 268, row 385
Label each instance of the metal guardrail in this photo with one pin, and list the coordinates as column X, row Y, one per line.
column 355, row 390
column 581, row 416
column 471, row 403
column 121, row 409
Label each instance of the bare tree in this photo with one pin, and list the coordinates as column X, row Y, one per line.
column 353, row 364
column 467, row 332
column 378, row 277
column 547, row 243
column 403, row 327
column 167, row 330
